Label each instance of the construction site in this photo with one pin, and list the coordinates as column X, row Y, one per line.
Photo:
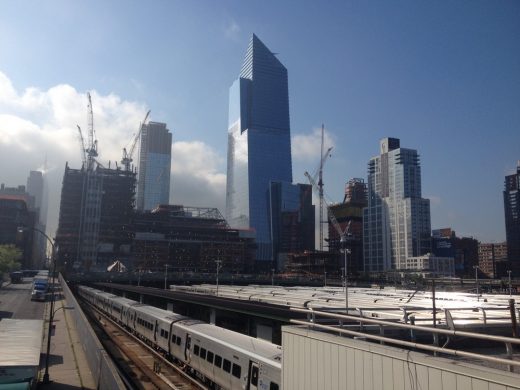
column 190, row 239
column 99, row 225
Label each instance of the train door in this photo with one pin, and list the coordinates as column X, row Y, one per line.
column 187, row 348
column 253, row 376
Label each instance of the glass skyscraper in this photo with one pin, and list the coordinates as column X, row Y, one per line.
column 396, row 223
column 155, row 155
column 259, row 142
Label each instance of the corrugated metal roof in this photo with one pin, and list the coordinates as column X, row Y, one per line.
column 20, row 342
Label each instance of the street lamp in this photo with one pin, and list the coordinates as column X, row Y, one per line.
column 325, row 280
column 476, row 267
column 272, row 276
column 51, row 311
column 509, row 277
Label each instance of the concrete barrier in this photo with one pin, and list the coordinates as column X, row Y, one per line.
column 100, row 364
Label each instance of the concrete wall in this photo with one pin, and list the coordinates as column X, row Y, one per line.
column 100, row 364
column 317, row 360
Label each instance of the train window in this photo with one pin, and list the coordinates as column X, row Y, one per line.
column 196, row 350
column 209, row 358
column 178, row 340
column 218, row 361
column 162, row 333
column 274, row 386
column 166, row 334
column 227, row 365
column 173, row 338
column 236, row 370
column 203, row 353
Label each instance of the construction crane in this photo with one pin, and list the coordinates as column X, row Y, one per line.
column 82, row 146
column 343, row 234
column 319, row 176
column 127, row 157
column 92, row 149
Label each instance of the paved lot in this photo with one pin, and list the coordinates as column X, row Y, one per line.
column 15, row 302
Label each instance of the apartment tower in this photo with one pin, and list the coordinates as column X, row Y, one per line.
column 396, row 222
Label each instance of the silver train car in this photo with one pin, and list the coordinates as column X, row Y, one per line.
column 222, row 358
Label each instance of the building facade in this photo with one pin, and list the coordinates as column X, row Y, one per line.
column 349, row 213
column 396, row 221
column 430, row 266
column 489, row 257
column 512, row 218
column 189, row 239
column 94, row 226
column 24, row 213
column 155, row 155
column 464, row 250
column 291, row 220
column 259, row 142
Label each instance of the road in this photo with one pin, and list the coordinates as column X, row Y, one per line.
column 15, row 302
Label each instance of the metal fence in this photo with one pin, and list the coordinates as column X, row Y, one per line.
column 103, row 370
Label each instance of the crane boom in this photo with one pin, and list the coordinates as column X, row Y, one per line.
column 342, row 233
column 82, row 146
column 127, row 156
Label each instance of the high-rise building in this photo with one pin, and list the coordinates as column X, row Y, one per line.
column 512, row 217
column 155, row 156
column 259, row 142
column 349, row 212
column 396, row 222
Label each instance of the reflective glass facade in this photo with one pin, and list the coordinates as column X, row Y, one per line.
column 153, row 185
column 396, row 222
column 259, row 142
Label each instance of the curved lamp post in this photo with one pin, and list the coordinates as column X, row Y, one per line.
column 51, row 311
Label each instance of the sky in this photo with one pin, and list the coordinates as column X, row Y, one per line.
column 442, row 76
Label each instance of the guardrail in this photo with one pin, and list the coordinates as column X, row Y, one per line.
column 103, row 369
column 313, row 317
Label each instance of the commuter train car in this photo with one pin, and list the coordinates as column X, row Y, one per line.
column 224, row 358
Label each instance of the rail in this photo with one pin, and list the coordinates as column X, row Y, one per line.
column 313, row 316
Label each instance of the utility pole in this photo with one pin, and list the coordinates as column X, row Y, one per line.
column 509, row 277
column 165, row 276
column 476, row 280
column 272, row 276
column 219, row 262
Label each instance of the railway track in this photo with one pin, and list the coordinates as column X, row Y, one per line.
column 141, row 367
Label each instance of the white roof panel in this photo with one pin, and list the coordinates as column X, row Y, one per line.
column 20, row 342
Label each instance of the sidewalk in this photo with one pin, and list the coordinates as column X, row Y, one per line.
column 68, row 368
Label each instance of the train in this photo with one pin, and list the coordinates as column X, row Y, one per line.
column 221, row 358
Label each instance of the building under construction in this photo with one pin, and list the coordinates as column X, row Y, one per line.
column 349, row 216
column 193, row 239
column 95, row 219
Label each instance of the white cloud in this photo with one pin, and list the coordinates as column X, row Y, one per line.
column 196, row 180
column 36, row 124
column 307, row 147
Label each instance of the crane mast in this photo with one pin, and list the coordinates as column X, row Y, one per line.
column 91, row 150
column 323, row 159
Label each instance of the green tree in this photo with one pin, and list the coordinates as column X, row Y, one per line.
column 9, row 258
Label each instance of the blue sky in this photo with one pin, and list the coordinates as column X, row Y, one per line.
column 442, row 76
